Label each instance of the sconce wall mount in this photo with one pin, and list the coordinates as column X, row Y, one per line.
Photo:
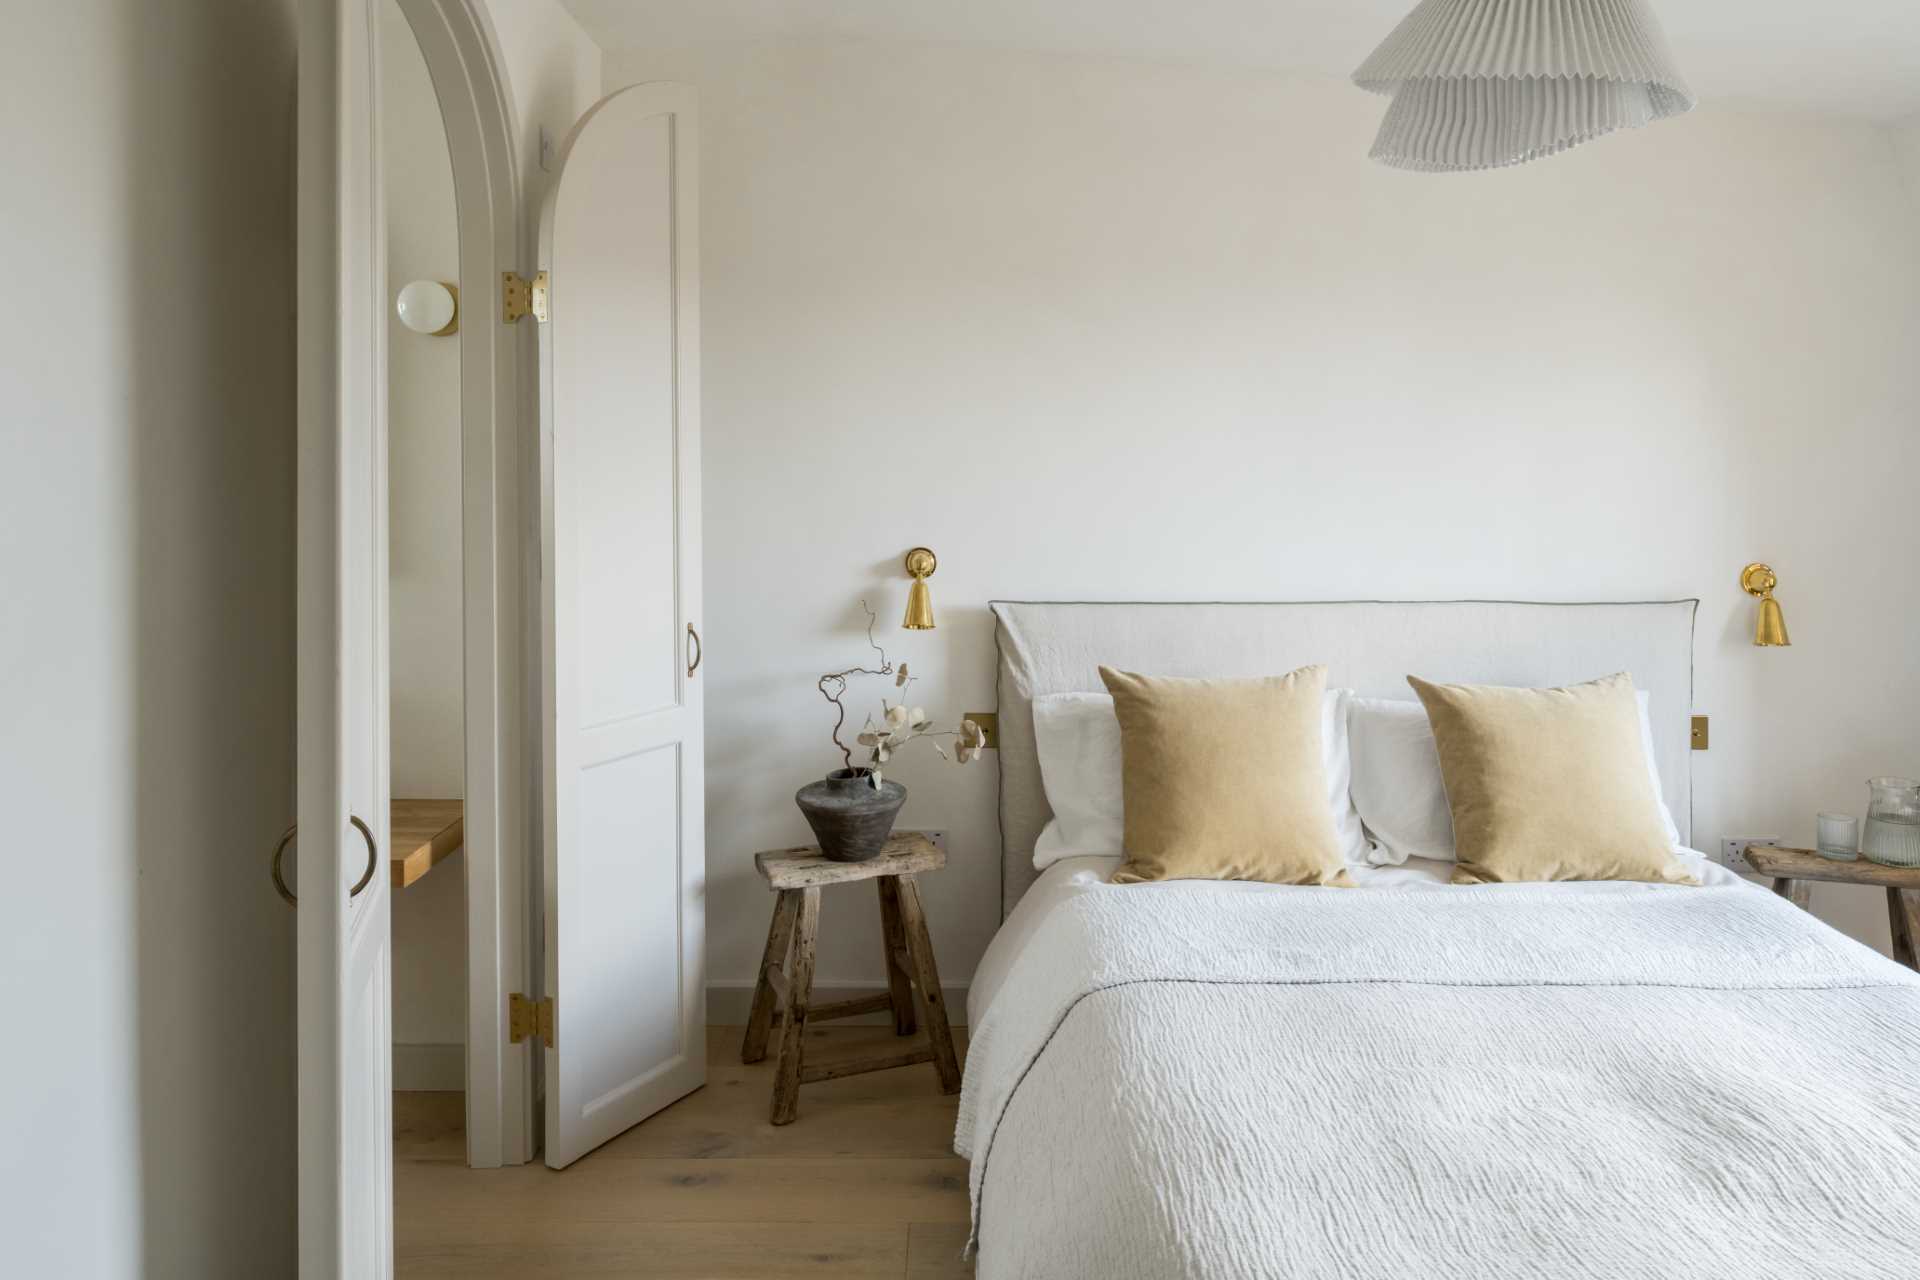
column 920, row 564
column 1770, row 628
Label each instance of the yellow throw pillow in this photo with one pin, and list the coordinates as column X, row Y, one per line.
column 1548, row 784
column 1223, row 780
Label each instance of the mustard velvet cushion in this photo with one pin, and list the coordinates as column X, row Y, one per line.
column 1223, row 780
column 1548, row 784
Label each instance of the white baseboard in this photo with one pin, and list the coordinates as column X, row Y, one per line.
column 728, row 1003
column 429, row 1068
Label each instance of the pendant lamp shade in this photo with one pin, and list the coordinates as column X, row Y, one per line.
column 1482, row 84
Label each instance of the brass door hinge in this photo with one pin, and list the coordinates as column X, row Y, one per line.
column 526, row 1018
column 1699, row 735
column 522, row 297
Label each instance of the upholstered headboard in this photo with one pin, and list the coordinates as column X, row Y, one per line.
column 1368, row 645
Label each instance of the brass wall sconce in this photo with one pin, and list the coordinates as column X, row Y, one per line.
column 920, row 563
column 1770, row 629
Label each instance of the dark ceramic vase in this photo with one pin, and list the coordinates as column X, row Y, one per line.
column 850, row 817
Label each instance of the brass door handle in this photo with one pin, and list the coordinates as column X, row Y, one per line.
column 373, row 856
column 286, row 838
column 693, row 640
column 279, row 852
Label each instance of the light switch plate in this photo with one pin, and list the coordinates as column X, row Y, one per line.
column 1699, row 733
column 939, row 838
column 989, row 722
column 1733, row 850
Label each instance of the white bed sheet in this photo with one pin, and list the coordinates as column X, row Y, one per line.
column 1073, row 876
column 1595, row 1081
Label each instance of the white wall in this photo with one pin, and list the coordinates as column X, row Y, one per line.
column 146, row 649
column 424, row 607
column 1116, row 330
column 554, row 70
column 1906, row 142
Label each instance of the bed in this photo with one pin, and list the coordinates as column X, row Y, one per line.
column 1412, row 1079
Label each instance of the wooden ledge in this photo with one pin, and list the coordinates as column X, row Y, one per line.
column 1805, row 864
column 805, row 867
column 424, row 833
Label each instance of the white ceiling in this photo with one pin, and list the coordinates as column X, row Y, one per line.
column 1853, row 57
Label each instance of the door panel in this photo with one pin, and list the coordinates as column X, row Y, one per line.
column 625, row 842
column 344, row 1099
column 631, row 804
column 613, row 384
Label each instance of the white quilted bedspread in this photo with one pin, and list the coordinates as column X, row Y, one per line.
column 1181, row 1080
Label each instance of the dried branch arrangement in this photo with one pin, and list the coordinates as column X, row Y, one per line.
column 899, row 723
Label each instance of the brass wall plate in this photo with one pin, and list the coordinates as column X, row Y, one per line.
column 452, row 326
column 1699, row 733
column 1757, row 580
column 989, row 722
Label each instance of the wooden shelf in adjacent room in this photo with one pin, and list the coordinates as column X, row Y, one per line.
column 424, row 833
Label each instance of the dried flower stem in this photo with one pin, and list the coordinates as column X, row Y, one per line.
column 834, row 684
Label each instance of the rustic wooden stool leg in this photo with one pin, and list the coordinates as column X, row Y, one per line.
column 1903, row 913
column 1798, row 892
column 779, row 938
column 893, row 940
column 927, row 975
column 793, row 1027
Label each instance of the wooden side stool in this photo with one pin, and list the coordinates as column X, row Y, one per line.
column 786, row 970
column 1792, row 871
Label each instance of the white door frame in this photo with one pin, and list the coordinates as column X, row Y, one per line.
column 469, row 78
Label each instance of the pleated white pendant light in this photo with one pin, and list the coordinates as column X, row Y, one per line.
column 1482, row 84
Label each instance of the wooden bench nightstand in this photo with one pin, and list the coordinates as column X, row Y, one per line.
column 1793, row 870
column 786, row 969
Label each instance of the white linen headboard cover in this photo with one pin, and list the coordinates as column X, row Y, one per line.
column 1370, row 646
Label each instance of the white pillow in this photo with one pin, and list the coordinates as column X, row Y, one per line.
column 1397, row 787
column 1078, row 739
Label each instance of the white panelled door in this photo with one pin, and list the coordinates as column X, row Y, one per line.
column 620, row 454
column 345, row 1099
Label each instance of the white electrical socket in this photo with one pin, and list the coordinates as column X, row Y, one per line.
column 1733, row 850
column 939, row 838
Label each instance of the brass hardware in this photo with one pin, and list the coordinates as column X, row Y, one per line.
column 452, row 326
column 521, row 297
column 1699, row 733
column 528, row 1018
column 693, row 637
column 989, row 722
column 920, row 564
column 1770, row 628
column 286, row 838
column 373, row 856
column 279, row 851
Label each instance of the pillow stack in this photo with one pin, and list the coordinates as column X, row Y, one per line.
column 1078, row 741
column 1223, row 779
column 1548, row 784
column 1282, row 781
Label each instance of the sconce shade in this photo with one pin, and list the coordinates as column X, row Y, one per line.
column 1770, row 628
column 920, row 563
column 427, row 306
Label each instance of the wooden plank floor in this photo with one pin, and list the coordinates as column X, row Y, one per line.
column 864, row 1183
